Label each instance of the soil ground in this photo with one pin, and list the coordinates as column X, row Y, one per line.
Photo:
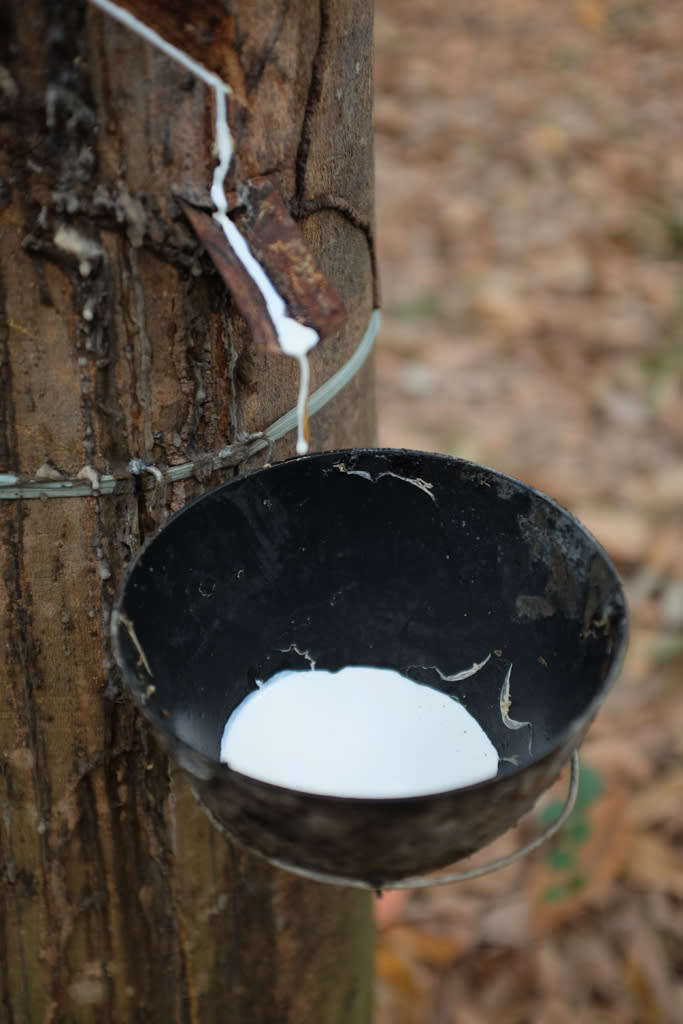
column 530, row 234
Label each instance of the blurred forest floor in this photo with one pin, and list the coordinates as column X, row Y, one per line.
column 530, row 231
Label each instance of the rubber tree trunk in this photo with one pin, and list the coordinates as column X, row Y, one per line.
column 118, row 900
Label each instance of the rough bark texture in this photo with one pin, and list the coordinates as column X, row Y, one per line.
column 118, row 901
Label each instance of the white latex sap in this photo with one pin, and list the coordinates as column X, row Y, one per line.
column 360, row 732
column 295, row 339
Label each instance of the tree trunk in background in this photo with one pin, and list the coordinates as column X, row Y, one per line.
column 118, row 900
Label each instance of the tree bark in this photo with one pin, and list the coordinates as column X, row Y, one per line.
column 118, row 900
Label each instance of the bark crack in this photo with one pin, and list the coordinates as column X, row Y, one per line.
column 8, row 437
column 255, row 73
column 315, row 90
column 307, row 207
column 16, row 932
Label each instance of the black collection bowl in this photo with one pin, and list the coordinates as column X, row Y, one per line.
column 396, row 559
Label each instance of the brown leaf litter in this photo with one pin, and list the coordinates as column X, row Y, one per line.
column 530, row 225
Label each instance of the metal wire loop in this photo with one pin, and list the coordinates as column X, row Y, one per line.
column 430, row 881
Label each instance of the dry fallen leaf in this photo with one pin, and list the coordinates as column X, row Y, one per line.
column 590, row 14
column 558, row 896
column 401, row 989
column 653, row 863
column 659, row 802
column 431, row 948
